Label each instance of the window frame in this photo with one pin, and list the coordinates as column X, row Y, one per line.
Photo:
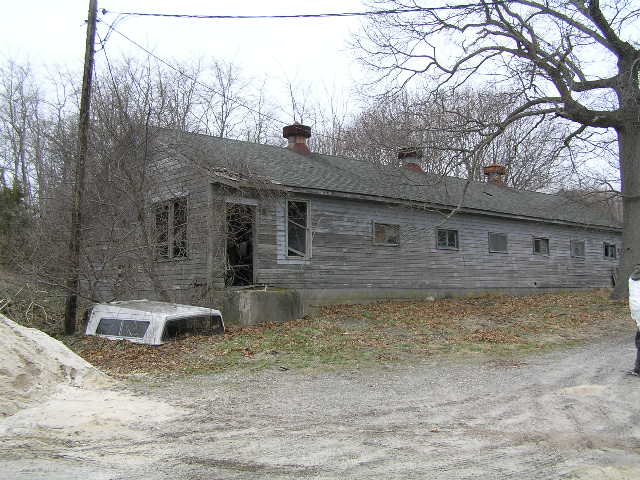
column 533, row 246
column 506, row 242
column 614, row 248
column 447, row 247
column 381, row 244
column 584, row 248
column 307, row 230
column 170, row 229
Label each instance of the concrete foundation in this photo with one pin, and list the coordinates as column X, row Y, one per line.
column 319, row 296
column 252, row 307
column 255, row 306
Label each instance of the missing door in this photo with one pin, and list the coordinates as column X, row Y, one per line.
column 240, row 221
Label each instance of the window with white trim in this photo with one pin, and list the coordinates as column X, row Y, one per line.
column 297, row 229
column 541, row 246
column 609, row 250
column 386, row 234
column 497, row 242
column 447, row 239
column 577, row 248
column 170, row 222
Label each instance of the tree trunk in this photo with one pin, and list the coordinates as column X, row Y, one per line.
column 629, row 145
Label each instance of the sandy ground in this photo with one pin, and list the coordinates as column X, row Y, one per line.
column 571, row 414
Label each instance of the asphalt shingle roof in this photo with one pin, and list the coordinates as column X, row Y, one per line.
column 341, row 175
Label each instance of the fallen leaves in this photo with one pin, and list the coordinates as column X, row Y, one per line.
column 492, row 336
column 378, row 332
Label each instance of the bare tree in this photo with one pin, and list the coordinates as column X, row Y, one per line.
column 260, row 124
column 21, row 129
column 447, row 127
column 544, row 52
column 131, row 100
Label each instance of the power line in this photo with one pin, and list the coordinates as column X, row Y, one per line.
column 208, row 87
column 242, row 104
column 262, row 17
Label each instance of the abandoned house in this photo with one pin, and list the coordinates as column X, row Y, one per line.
column 224, row 213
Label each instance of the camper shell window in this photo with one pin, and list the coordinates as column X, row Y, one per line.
column 191, row 326
column 115, row 327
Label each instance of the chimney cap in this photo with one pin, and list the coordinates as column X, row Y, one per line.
column 495, row 169
column 296, row 130
column 413, row 166
column 409, row 152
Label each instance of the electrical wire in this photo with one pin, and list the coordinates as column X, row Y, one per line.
column 208, row 87
column 263, row 17
column 111, row 28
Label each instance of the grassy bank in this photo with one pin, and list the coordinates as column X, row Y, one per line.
column 360, row 335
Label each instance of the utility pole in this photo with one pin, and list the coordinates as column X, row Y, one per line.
column 73, row 282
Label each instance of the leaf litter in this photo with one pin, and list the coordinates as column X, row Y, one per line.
column 382, row 332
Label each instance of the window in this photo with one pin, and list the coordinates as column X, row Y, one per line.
column 114, row 327
column 386, row 234
column 577, row 248
column 171, row 229
column 541, row 246
column 447, row 239
column 610, row 250
column 297, row 228
column 197, row 325
column 497, row 242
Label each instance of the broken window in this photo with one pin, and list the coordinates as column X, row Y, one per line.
column 171, row 229
column 297, row 228
column 447, row 239
column 180, row 228
column 162, row 231
column 541, row 246
column 498, row 242
column 577, row 248
column 610, row 250
column 386, row 234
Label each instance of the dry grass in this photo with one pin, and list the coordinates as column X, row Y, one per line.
column 354, row 335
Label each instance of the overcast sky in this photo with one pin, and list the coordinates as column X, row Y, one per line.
column 309, row 52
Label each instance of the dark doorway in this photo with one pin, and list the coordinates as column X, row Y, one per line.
column 240, row 226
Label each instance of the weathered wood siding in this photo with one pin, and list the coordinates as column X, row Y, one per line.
column 344, row 256
column 175, row 177
column 138, row 274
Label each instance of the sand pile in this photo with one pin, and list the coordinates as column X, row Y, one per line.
column 33, row 365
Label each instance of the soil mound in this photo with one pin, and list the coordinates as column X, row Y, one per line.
column 33, row 365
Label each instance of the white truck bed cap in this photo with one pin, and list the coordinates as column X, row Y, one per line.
column 151, row 322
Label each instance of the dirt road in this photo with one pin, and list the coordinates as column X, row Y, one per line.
column 571, row 414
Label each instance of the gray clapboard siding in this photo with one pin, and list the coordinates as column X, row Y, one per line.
column 344, row 254
column 345, row 258
column 168, row 178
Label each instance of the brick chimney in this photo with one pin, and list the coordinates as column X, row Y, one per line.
column 296, row 136
column 495, row 173
column 409, row 157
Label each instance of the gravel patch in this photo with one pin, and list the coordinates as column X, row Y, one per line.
column 568, row 414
